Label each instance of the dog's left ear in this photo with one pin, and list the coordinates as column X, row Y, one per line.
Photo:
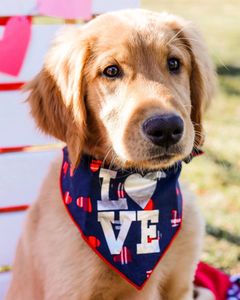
column 57, row 93
column 202, row 78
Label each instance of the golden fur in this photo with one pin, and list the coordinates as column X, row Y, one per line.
column 71, row 100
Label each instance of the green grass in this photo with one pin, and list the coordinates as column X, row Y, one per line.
column 215, row 176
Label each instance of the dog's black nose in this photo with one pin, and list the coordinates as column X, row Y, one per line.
column 163, row 130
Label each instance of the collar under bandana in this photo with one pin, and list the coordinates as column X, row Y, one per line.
column 129, row 219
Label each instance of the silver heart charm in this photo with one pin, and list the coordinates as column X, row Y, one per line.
column 140, row 189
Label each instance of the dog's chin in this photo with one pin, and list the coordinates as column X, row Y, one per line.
column 151, row 159
column 156, row 162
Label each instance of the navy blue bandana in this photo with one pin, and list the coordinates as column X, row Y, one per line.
column 129, row 219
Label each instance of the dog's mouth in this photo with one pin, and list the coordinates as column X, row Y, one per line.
column 155, row 162
column 163, row 160
column 165, row 155
column 162, row 157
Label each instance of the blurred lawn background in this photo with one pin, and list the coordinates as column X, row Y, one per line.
column 215, row 176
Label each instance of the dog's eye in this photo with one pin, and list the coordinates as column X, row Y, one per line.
column 173, row 64
column 111, row 71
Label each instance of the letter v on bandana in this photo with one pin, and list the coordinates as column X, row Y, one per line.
column 129, row 219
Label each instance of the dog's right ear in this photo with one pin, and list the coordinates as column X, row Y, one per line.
column 57, row 92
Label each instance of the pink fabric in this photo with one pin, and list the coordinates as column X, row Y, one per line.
column 213, row 279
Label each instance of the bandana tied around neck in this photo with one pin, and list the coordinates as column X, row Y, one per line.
column 129, row 219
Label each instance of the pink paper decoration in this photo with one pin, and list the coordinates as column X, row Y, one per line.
column 68, row 9
column 14, row 44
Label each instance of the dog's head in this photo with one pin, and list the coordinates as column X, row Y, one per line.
column 129, row 87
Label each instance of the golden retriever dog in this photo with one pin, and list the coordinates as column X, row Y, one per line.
column 101, row 86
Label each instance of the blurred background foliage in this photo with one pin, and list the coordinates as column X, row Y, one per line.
column 215, row 176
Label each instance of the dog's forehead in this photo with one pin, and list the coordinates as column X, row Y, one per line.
column 133, row 26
